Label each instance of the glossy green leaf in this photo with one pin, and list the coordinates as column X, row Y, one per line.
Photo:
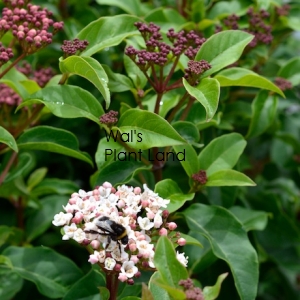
column 229, row 242
column 54, row 186
column 189, row 158
column 212, row 292
column 87, row 286
column 67, row 101
column 117, row 82
column 7, row 139
column 251, row 219
column 132, row 7
column 224, row 8
column 133, row 71
column 107, row 32
column 36, row 177
column 45, row 268
column 229, row 178
column 187, row 130
column 90, row 69
column 221, row 153
column 39, row 221
column 264, row 109
column 207, row 93
column 119, row 172
column 169, row 189
column 52, row 139
column 10, row 283
column 31, row 86
column 105, row 151
column 169, row 268
column 168, row 101
column 153, row 129
column 166, row 17
column 157, row 291
column 24, row 165
column 13, row 79
column 244, row 77
column 223, row 49
column 293, row 18
column 290, row 71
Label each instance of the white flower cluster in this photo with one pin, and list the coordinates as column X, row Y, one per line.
column 105, row 217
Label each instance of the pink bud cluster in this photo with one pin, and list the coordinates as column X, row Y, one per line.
column 8, row 96
column 41, row 76
column 30, row 24
column 142, row 215
column 158, row 52
column 191, row 292
column 5, row 54
column 195, row 69
column 72, row 47
column 109, row 118
column 283, row 83
column 200, row 177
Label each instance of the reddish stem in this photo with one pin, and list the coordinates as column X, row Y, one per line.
column 12, row 64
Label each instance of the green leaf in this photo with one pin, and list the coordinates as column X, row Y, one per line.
column 263, row 113
column 132, row 7
column 10, row 283
column 107, row 32
column 290, row 71
column 24, row 165
column 117, row 83
column 229, row 242
column 54, row 186
column 133, row 71
column 153, row 129
column 39, row 221
column 119, row 172
column 169, row 268
column 36, row 177
column 223, row 49
column 251, row 219
column 7, row 139
column 157, row 291
column 52, row 139
column 225, row 8
column 89, row 68
column 166, row 17
column 67, row 101
column 244, row 77
column 187, row 130
column 229, row 178
column 221, row 153
column 87, row 286
column 31, row 86
column 169, row 189
column 212, row 292
column 190, row 240
column 207, row 93
column 52, row 273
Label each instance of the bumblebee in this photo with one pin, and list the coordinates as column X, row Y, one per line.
column 114, row 231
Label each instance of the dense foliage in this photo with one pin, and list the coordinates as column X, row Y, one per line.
column 181, row 119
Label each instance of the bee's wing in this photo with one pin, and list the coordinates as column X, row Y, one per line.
column 105, row 227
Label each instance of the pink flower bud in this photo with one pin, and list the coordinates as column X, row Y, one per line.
column 172, row 226
column 95, row 244
column 181, row 242
column 165, row 214
column 130, row 281
column 134, row 258
column 150, row 215
column 163, row 231
column 117, row 267
column 31, row 33
column 122, row 277
column 145, row 203
column 93, row 259
column 107, row 185
column 137, row 274
column 137, row 190
column 121, row 203
column 132, row 247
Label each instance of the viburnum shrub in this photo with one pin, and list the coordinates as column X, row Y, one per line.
column 174, row 127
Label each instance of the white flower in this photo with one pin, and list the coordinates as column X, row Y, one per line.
column 145, row 223
column 79, row 235
column 158, row 219
column 181, row 258
column 144, row 248
column 109, row 263
column 62, row 219
column 69, row 231
column 129, row 269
